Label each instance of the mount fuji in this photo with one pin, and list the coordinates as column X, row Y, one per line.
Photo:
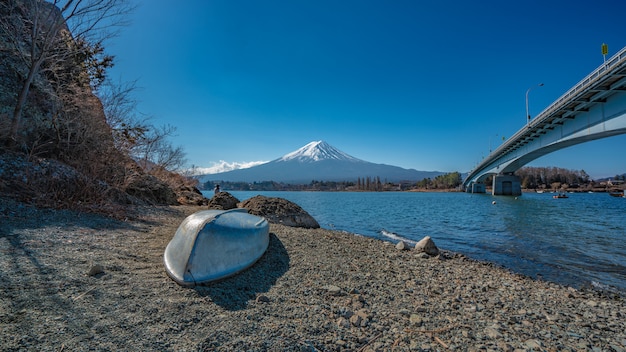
column 321, row 162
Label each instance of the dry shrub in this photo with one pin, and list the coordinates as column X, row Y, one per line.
column 52, row 184
column 174, row 180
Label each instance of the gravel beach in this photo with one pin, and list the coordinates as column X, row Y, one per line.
column 74, row 282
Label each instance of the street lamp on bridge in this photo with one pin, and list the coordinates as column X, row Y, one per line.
column 490, row 142
column 528, row 91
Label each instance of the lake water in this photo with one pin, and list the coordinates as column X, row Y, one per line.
column 578, row 241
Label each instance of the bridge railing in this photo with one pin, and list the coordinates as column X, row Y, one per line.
column 615, row 61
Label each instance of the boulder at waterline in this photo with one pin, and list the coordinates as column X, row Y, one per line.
column 427, row 245
column 279, row 211
column 223, row 201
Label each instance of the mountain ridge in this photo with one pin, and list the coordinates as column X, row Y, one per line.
column 318, row 161
column 316, row 151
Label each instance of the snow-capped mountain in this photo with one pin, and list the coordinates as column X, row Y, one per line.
column 316, row 151
column 321, row 162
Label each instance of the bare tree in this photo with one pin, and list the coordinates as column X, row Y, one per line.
column 129, row 129
column 154, row 150
column 133, row 134
column 45, row 34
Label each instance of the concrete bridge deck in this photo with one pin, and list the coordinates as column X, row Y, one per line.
column 594, row 108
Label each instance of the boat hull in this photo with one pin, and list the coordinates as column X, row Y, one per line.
column 214, row 244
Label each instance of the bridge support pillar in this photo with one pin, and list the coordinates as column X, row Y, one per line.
column 475, row 187
column 506, row 185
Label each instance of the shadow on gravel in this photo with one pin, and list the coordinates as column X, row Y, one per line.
column 40, row 271
column 16, row 216
column 235, row 292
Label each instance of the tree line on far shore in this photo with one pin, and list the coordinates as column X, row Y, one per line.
column 447, row 181
column 555, row 178
column 531, row 178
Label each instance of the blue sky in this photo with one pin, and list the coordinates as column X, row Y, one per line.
column 428, row 85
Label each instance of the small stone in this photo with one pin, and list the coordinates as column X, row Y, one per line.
column 332, row 290
column 571, row 292
column 503, row 346
column 533, row 344
column 617, row 348
column 471, row 309
column 357, row 304
column 343, row 323
column 402, row 246
column 262, row 299
column 95, row 270
column 427, row 245
column 492, row 333
column 363, row 313
column 573, row 334
column 415, row 319
column 356, row 320
column 582, row 345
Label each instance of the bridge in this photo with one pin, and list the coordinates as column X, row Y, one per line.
column 594, row 108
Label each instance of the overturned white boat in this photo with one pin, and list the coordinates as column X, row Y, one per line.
column 213, row 244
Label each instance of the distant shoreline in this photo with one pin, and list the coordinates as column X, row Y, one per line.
column 423, row 190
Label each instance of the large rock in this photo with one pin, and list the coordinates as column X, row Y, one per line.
column 151, row 190
column 279, row 211
column 223, row 201
column 187, row 195
column 427, row 246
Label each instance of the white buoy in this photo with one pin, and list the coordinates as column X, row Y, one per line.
column 494, row 202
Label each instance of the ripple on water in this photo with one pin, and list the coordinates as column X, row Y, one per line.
column 572, row 241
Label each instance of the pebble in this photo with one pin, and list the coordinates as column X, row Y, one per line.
column 332, row 290
column 95, row 270
column 262, row 299
column 402, row 246
column 533, row 344
column 492, row 333
column 415, row 319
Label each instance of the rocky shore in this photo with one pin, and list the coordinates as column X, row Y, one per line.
column 72, row 281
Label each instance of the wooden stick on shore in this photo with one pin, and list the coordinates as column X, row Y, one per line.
column 83, row 294
column 370, row 342
column 440, row 342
